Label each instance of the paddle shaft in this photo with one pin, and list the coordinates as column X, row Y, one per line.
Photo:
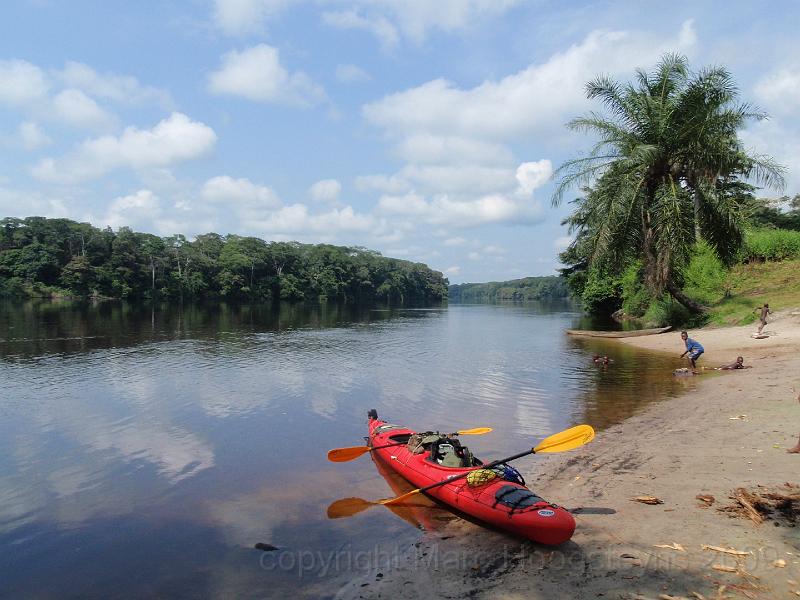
column 371, row 448
column 492, row 464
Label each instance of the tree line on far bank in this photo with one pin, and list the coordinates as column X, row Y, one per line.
column 529, row 288
column 60, row 257
column 668, row 198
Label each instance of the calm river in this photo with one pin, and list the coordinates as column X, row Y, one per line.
column 144, row 451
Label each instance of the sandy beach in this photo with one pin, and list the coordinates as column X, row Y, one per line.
column 729, row 432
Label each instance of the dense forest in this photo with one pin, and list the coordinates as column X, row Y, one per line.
column 60, row 257
column 529, row 288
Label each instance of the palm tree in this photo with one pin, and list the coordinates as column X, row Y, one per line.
column 668, row 169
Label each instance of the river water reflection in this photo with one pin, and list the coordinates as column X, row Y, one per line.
column 145, row 450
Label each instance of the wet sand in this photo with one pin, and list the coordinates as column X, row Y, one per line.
column 729, row 431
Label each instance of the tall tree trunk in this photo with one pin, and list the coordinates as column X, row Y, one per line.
column 678, row 294
column 696, row 203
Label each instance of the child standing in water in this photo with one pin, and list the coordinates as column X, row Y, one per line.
column 693, row 348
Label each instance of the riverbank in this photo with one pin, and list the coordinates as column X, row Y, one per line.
column 729, row 431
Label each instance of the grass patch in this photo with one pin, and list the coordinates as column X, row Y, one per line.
column 748, row 286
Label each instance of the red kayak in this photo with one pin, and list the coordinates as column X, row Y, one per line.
column 495, row 496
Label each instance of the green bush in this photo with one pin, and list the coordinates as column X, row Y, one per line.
column 704, row 276
column 666, row 311
column 772, row 244
column 602, row 293
column 13, row 287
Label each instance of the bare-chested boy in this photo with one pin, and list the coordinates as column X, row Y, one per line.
column 763, row 316
column 737, row 364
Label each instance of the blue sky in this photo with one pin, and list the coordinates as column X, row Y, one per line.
column 426, row 130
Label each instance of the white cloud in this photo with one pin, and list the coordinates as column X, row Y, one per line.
column 474, row 256
column 296, row 219
column 460, row 169
column 494, row 250
column 32, row 137
column 378, row 25
column 21, row 83
column 256, row 210
column 24, row 203
column 455, row 241
column 237, row 17
column 386, row 19
column 780, row 90
column 173, row 140
column 257, row 74
column 351, row 74
column 69, row 96
column 239, row 192
column 326, row 190
column 532, row 175
column 455, row 271
column 535, row 99
column 133, row 210
column 442, row 210
column 415, row 18
column 435, row 149
column 123, row 89
column 76, row 108
column 464, row 179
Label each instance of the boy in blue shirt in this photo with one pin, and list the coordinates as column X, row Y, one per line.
column 692, row 347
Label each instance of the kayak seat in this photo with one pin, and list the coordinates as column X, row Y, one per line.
column 449, row 452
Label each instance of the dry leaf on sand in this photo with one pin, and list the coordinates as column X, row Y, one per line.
column 647, row 500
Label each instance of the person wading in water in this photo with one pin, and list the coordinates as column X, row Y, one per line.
column 692, row 347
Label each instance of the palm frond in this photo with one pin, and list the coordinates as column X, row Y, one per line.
column 666, row 156
column 721, row 221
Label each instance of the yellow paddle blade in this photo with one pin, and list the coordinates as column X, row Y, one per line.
column 347, row 507
column 476, row 431
column 398, row 499
column 345, row 454
column 571, row 438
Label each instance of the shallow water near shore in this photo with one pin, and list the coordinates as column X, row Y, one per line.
column 144, row 450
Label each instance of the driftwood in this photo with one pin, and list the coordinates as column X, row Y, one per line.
column 617, row 334
column 776, row 503
column 747, row 500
